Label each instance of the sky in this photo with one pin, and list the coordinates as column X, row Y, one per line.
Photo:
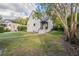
column 14, row 10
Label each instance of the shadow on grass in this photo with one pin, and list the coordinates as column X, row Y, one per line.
column 52, row 45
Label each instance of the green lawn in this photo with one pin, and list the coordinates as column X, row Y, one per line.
column 23, row 43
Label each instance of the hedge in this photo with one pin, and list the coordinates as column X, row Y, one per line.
column 22, row 28
column 1, row 29
column 7, row 30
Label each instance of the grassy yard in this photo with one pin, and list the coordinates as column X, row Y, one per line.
column 23, row 43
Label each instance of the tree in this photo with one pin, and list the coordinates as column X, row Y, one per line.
column 21, row 21
column 57, row 24
column 70, row 31
column 37, row 15
column 62, row 11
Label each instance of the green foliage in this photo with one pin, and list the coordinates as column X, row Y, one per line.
column 69, row 19
column 22, row 28
column 2, row 25
column 1, row 29
column 21, row 21
column 7, row 30
column 57, row 24
column 37, row 15
column 78, row 17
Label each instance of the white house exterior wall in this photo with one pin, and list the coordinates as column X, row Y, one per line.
column 31, row 27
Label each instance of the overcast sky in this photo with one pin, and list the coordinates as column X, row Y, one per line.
column 12, row 10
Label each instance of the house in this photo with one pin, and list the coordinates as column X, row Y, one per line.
column 39, row 26
column 11, row 26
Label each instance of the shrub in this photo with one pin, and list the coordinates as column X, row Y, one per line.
column 7, row 30
column 21, row 21
column 58, row 28
column 22, row 28
column 2, row 25
column 57, row 24
column 1, row 29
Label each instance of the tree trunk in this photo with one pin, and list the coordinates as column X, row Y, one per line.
column 70, row 31
column 73, row 27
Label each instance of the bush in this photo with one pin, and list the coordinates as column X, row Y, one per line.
column 2, row 25
column 22, row 28
column 21, row 21
column 58, row 28
column 1, row 29
column 7, row 30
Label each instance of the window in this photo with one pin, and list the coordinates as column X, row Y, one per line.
column 34, row 24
